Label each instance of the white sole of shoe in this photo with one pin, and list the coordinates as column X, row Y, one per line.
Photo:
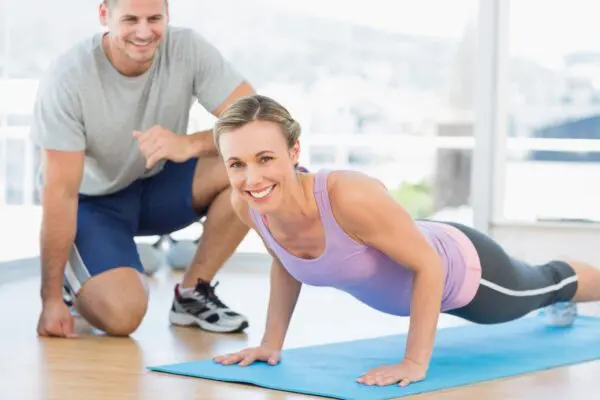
column 190, row 320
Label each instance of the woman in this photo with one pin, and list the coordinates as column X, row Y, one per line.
column 343, row 229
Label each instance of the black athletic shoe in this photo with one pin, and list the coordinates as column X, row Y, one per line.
column 204, row 309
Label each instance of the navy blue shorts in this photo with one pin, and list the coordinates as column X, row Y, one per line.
column 107, row 225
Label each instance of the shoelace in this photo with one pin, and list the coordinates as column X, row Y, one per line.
column 207, row 291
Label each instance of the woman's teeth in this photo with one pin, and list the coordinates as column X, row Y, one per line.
column 262, row 193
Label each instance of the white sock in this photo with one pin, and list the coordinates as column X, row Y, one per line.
column 186, row 292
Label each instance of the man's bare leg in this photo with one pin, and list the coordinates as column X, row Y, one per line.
column 223, row 230
column 195, row 300
column 114, row 301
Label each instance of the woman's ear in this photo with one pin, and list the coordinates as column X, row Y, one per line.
column 295, row 152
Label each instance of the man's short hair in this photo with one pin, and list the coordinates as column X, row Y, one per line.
column 112, row 3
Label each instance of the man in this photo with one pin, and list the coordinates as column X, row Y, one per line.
column 111, row 119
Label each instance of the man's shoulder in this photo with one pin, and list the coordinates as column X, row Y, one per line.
column 72, row 64
column 179, row 34
column 186, row 42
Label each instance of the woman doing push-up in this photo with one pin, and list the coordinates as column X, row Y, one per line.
column 344, row 230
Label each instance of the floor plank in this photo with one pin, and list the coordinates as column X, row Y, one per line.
column 97, row 367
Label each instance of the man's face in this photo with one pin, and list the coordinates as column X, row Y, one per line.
column 136, row 28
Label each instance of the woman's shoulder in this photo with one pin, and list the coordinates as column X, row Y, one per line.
column 353, row 185
column 353, row 192
column 362, row 205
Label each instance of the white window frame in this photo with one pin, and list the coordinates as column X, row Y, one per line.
column 530, row 240
column 489, row 152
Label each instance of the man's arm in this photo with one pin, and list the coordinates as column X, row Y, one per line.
column 58, row 129
column 63, row 172
column 217, row 84
column 201, row 143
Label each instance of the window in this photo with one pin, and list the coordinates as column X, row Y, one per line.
column 24, row 56
column 15, row 172
column 36, row 153
column 552, row 160
column 383, row 87
column 322, row 155
column 4, row 37
column 23, row 120
column 387, row 84
column 2, row 168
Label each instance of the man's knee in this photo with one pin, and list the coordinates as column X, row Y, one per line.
column 115, row 301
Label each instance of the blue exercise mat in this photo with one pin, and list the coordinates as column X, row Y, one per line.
column 463, row 355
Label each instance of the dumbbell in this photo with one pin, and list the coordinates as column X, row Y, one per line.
column 180, row 253
column 151, row 255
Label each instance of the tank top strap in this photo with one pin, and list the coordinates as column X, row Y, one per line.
column 261, row 226
column 321, row 194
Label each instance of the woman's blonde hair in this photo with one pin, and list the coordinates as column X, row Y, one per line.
column 256, row 108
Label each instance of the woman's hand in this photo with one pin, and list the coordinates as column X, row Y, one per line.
column 404, row 374
column 248, row 356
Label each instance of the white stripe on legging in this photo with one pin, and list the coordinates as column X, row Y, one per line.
column 530, row 292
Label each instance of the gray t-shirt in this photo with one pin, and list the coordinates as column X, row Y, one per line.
column 85, row 104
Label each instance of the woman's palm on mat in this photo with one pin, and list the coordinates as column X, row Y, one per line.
column 405, row 373
column 250, row 355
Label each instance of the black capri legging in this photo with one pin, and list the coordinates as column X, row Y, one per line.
column 511, row 288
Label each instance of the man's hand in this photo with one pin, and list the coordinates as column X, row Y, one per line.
column 56, row 320
column 158, row 143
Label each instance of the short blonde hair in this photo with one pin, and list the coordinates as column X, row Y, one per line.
column 256, row 108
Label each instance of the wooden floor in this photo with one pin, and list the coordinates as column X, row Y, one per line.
column 97, row 367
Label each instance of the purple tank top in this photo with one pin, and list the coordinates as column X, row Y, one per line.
column 364, row 272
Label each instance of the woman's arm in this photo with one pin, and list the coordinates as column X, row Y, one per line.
column 369, row 214
column 284, row 291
